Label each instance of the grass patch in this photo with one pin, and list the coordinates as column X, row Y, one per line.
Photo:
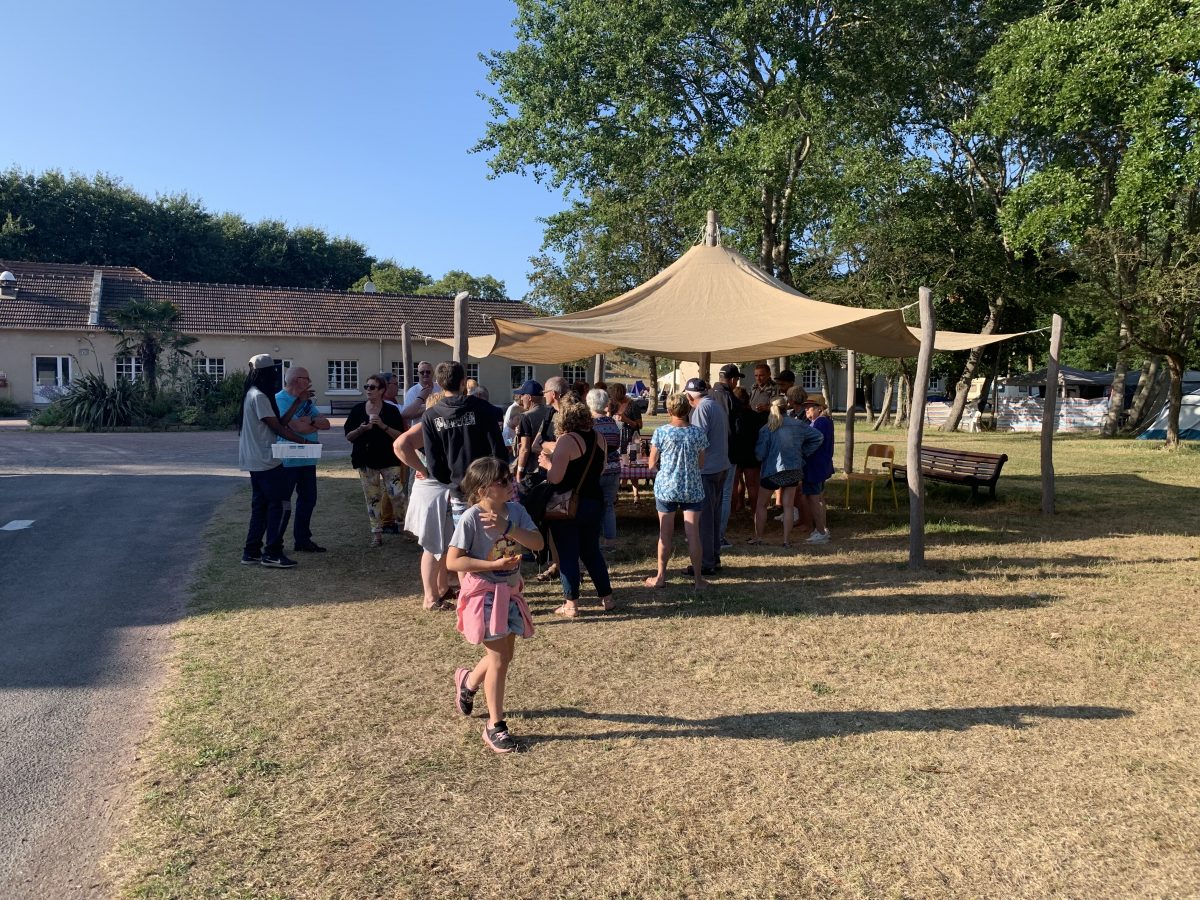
column 1018, row 719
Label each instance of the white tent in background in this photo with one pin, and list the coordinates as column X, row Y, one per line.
column 1189, row 420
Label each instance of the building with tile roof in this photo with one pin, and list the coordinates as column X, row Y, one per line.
column 55, row 324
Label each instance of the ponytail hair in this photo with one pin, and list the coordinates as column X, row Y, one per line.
column 779, row 408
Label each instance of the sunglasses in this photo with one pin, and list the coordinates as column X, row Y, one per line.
column 374, row 387
column 424, row 371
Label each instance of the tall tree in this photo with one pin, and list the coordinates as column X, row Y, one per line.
column 1108, row 91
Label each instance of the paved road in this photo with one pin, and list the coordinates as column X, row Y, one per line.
column 88, row 593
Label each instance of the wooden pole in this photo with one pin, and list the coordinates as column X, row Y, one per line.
column 916, row 431
column 460, row 326
column 1049, row 414
column 851, row 377
column 406, row 377
column 710, row 229
column 598, row 368
column 705, row 365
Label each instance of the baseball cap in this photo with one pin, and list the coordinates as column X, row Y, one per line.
column 731, row 371
column 530, row 387
column 261, row 361
column 786, row 375
column 695, row 386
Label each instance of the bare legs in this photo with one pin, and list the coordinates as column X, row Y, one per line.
column 816, row 510
column 666, row 537
column 434, row 578
column 492, row 671
column 788, row 498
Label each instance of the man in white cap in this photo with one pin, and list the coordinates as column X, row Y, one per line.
column 709, row 417
column 270, row 487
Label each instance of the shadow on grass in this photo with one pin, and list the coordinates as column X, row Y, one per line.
column 808, row 726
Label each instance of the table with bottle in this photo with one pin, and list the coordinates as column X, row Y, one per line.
column 635, row 466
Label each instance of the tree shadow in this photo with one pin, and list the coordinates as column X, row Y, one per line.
column 808, row 726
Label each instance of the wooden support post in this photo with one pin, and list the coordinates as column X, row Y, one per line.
column 710, row 231
column 461, row 300
column 851, row 377
column 1049, row 414
column 705, row 365
column 406, row 379
column 598, row 368
column 916, row 431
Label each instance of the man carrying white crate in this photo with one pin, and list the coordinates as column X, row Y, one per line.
column 298, row 412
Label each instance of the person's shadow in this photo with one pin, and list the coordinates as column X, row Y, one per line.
column 807, row 726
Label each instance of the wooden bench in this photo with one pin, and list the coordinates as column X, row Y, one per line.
column 964, row 467
column 340, row 406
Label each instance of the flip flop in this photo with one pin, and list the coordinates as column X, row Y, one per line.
column 569, row 610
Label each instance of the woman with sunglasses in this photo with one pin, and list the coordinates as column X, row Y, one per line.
column 371, row 427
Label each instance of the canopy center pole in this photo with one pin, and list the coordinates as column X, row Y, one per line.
column 710, row 235
column 916, row 431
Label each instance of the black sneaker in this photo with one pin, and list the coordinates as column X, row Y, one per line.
column 278, row 562
column 393, row 528
column 251, row 559
column 310, row 547
column 464, row 699
column 499, row 740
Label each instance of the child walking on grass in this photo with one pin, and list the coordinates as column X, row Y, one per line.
column 485, row 551
column 676, row 458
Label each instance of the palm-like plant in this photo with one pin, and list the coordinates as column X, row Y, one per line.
column 146, row 328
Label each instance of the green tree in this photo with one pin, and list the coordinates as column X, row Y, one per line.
column 1107, row 93
column 389, row 277
column 145, row 328
column 484, row 287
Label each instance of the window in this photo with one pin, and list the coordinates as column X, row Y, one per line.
column 937, row 384
column 398, row 372
column 343, row 374
column 49, row 374
column 519, row 375
column 574, row 372
column 472, row 370
column 213, row 366
column 128, row 367
column 810, row 380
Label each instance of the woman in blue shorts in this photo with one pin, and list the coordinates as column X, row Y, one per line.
column 676, row 456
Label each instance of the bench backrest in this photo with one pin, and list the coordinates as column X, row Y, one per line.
column 962, row 463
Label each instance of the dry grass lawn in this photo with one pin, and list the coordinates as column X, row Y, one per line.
column 1017, row 720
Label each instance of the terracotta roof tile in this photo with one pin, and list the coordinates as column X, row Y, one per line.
column 58, row 302
column 69, row 270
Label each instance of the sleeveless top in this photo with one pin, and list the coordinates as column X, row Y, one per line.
column 589, row 480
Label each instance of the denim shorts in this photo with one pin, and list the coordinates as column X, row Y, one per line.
column 813, row 488
column 673, row 506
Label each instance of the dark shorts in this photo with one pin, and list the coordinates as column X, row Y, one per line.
column 672, row 506
column 813, row 488
column 789, row 478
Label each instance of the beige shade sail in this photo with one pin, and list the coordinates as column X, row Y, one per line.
column 950, row 341
column 710, row 300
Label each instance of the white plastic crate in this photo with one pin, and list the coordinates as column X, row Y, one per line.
column 296, row 451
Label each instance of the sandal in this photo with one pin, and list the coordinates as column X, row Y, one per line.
column 549, row 575
column 608, row 603
column 377, row 540
column 754, row 541
column 568, row 609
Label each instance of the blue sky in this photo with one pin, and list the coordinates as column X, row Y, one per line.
column 356, row 117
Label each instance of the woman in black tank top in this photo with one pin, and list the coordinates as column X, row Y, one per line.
column 577, row 464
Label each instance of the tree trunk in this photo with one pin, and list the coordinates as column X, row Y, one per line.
column 995, row 307
column 985, row 391
column 904, row 392
column 653, row 410
column 868, row 395
column 886, row 410
column 1175, row 364
column 1116, row 397
column 827, row 382
column 1145, row 390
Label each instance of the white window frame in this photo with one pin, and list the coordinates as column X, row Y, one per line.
column 343, row 374
column 518, row 375
column 574, row 372
column 810, row 378
column 472, row 370
column 213, row 366
column 63, row 366
column 127, row 366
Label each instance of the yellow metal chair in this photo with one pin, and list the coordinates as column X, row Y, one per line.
column 878, row 465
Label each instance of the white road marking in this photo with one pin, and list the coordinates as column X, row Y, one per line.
column 16, row 525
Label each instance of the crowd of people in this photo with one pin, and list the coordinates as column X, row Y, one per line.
column 482, row 487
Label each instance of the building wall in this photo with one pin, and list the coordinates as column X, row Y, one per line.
column 95, row 352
